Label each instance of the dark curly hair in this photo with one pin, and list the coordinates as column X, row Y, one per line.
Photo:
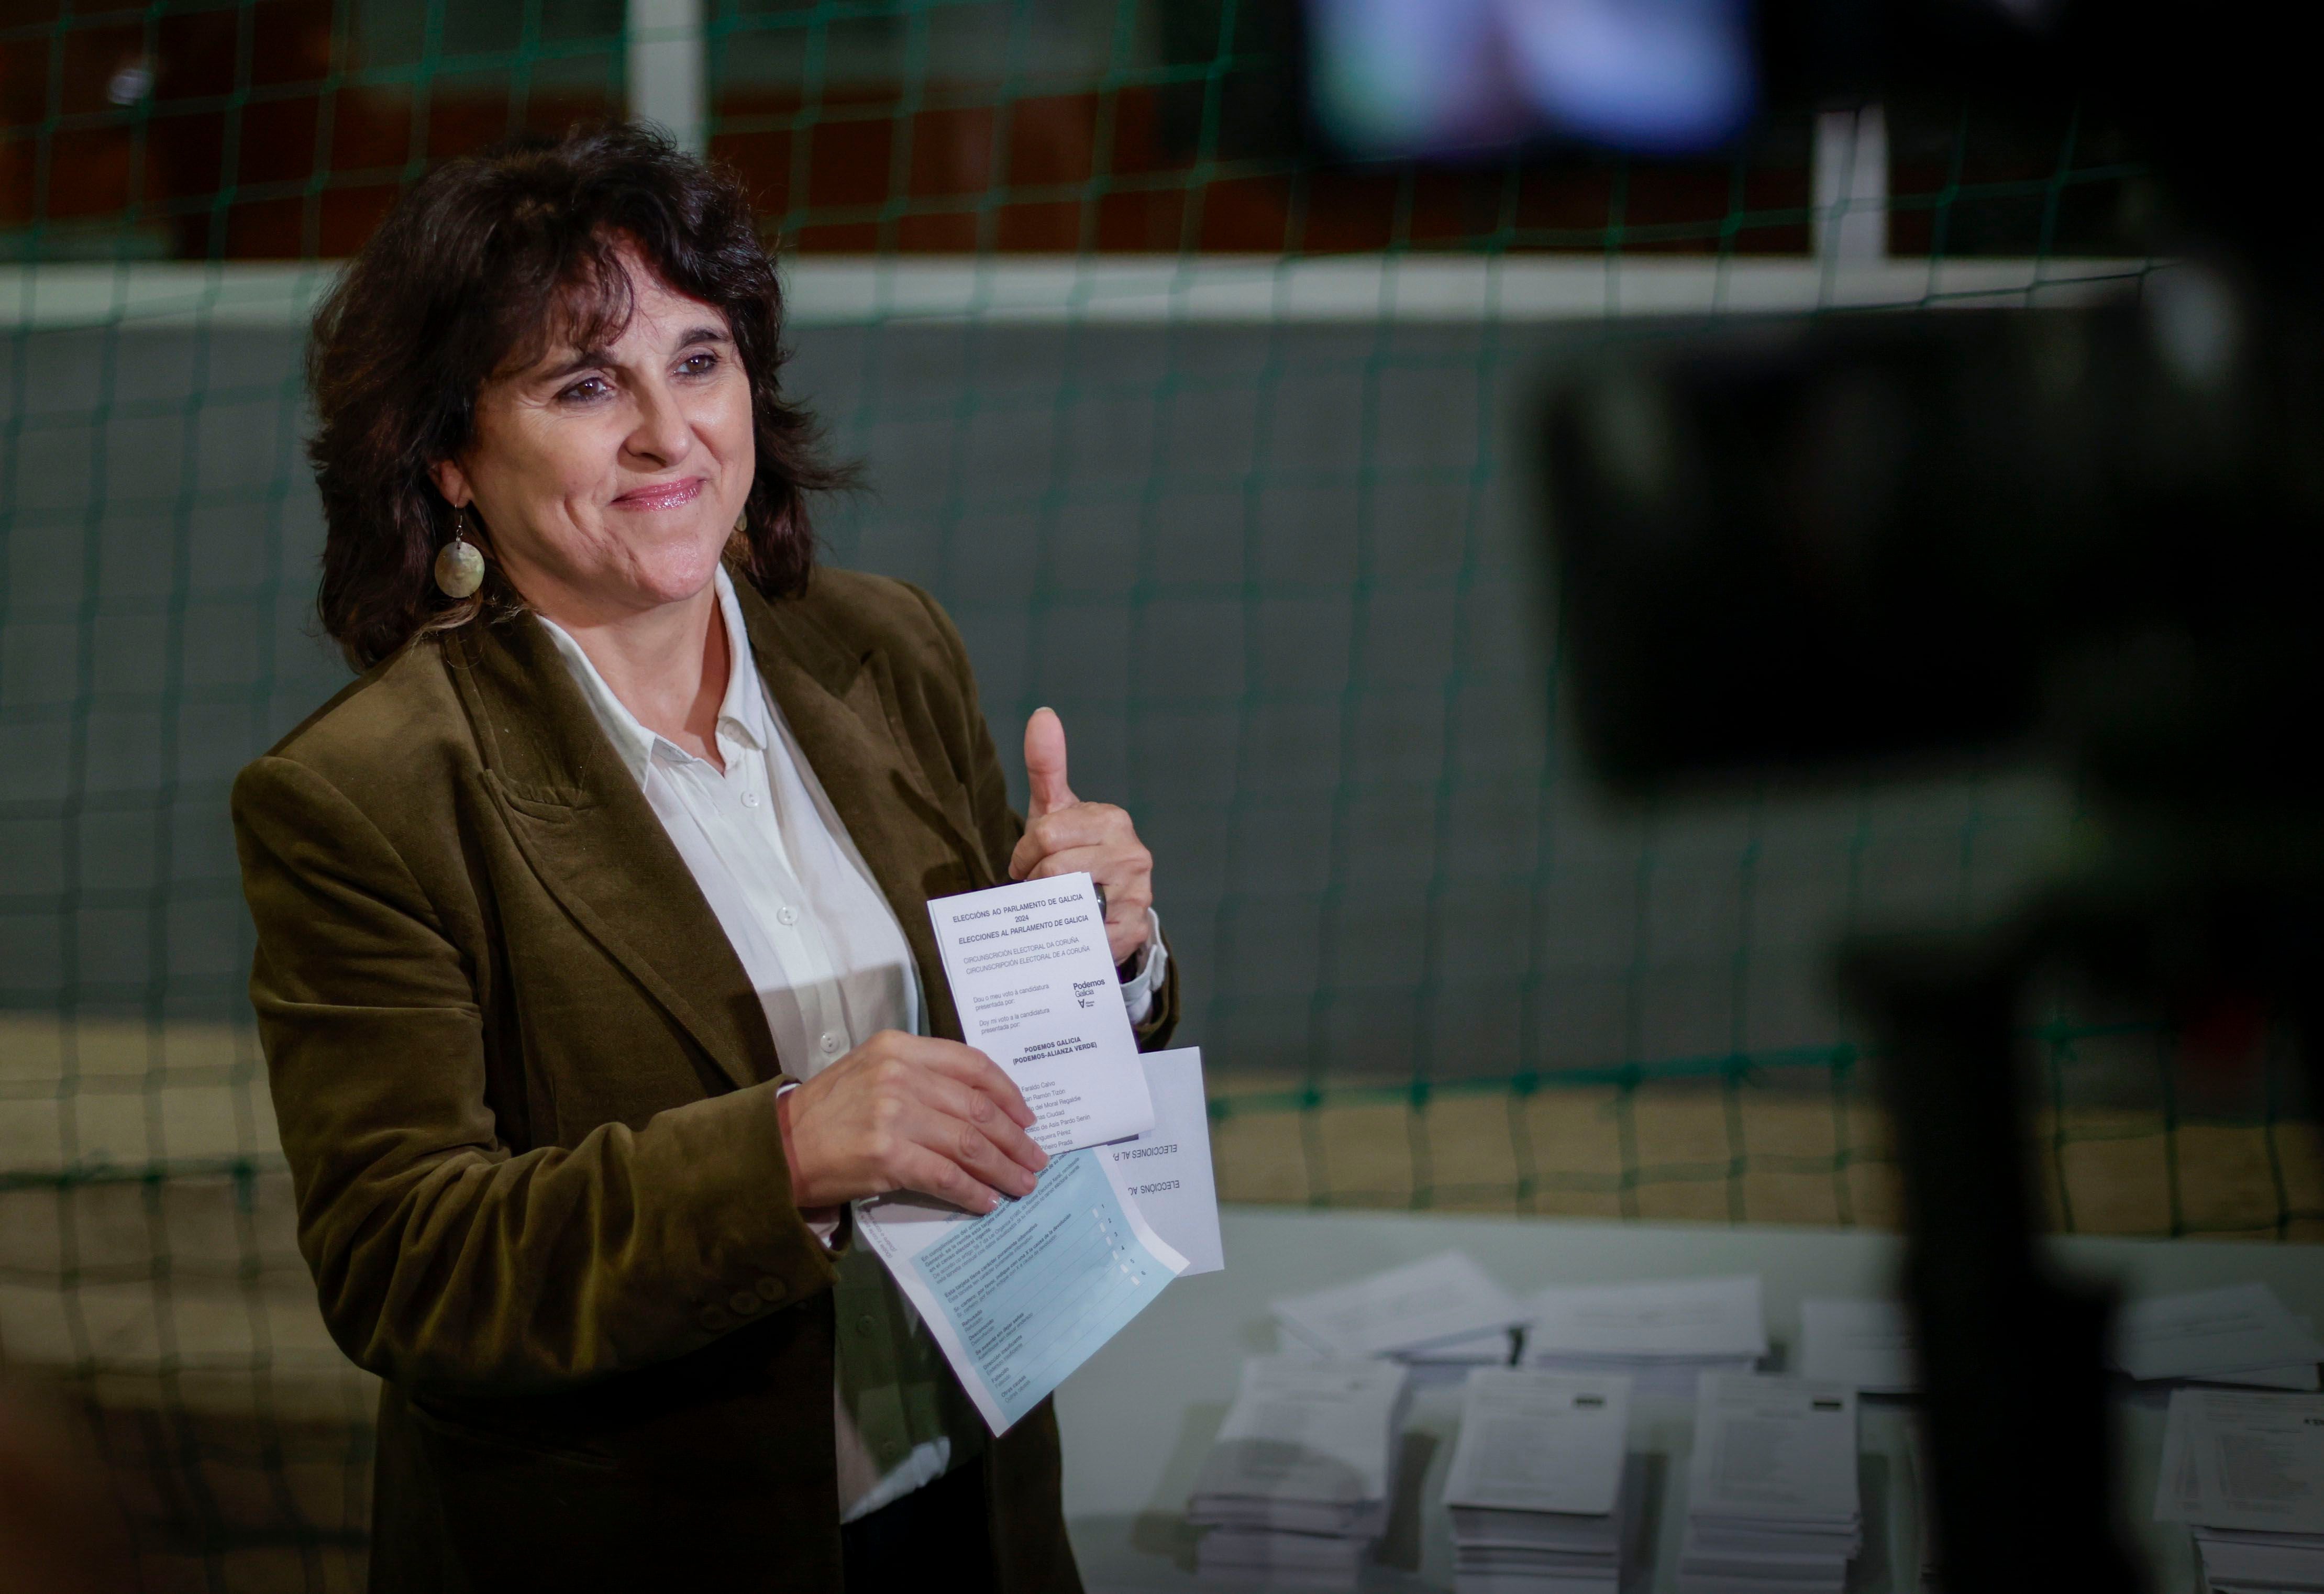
column 476, row 271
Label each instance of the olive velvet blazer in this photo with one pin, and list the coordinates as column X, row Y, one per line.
column 528, row 1098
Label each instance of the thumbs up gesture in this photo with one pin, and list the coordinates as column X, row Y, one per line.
column 1066, row 835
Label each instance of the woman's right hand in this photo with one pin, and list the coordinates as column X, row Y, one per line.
column 909, row 1112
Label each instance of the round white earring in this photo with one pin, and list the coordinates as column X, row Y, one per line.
column 459, row 567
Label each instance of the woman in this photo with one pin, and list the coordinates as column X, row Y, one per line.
column 594, row 969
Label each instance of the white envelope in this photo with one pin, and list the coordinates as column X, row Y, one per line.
column 1167, row 1170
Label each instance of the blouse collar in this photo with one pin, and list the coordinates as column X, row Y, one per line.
column 742, row 718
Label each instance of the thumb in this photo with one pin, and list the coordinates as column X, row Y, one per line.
column 1044, row 763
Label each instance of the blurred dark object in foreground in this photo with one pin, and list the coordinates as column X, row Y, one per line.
column 1820, row 542
column 2097, row 532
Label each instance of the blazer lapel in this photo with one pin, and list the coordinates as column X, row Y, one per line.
column 582, row 823
column 841, row 704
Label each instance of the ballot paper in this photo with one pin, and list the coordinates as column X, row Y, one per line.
column 2297, row 1378
column 2246, row 1471
column 1774, row 1449
column 2241, row 1332
column 1451, row 1361
column 1691, row 1317
column 1539, row 1442
column 2246, row 1460
column 1437, row 1364
column 1167, row 1169
column 2232, row 1565
column 1664, row 1333
column 1772, row 1502
column 1494, row 1565
column 1867, row 1345
column 1019, row 1298
column 1308, row 1448
column 1445, row 1298
column 1298, row 1486
column 1034, row 984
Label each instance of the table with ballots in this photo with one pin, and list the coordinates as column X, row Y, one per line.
column 1586, row 1408
column 1542, row 1494
column 1659, row 1437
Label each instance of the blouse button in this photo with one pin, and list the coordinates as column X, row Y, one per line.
column 787, row 915
column 831, row 1042
column 749, row 799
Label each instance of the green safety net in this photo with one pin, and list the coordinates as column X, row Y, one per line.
column 1213, row 440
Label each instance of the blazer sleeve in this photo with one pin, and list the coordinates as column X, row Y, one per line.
column 444, row 1260
column 998, row 826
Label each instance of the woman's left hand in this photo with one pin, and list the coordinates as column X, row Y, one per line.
column 1066, row 835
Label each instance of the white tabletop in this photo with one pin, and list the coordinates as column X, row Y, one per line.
column 1139, row 1416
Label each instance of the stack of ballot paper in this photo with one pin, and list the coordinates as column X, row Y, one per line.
column 1867, row 1345
column 2240, row 1335
column 1771, row 1505
column 1535, row 1489
column 1442, row 1317
column 1663, row 1334
column 1451, row 1360
column 2246, row 1473
column 1297, row 1488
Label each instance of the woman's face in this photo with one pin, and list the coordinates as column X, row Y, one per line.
column 608, row 480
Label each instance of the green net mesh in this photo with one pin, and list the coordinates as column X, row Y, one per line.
column 1214, row 443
